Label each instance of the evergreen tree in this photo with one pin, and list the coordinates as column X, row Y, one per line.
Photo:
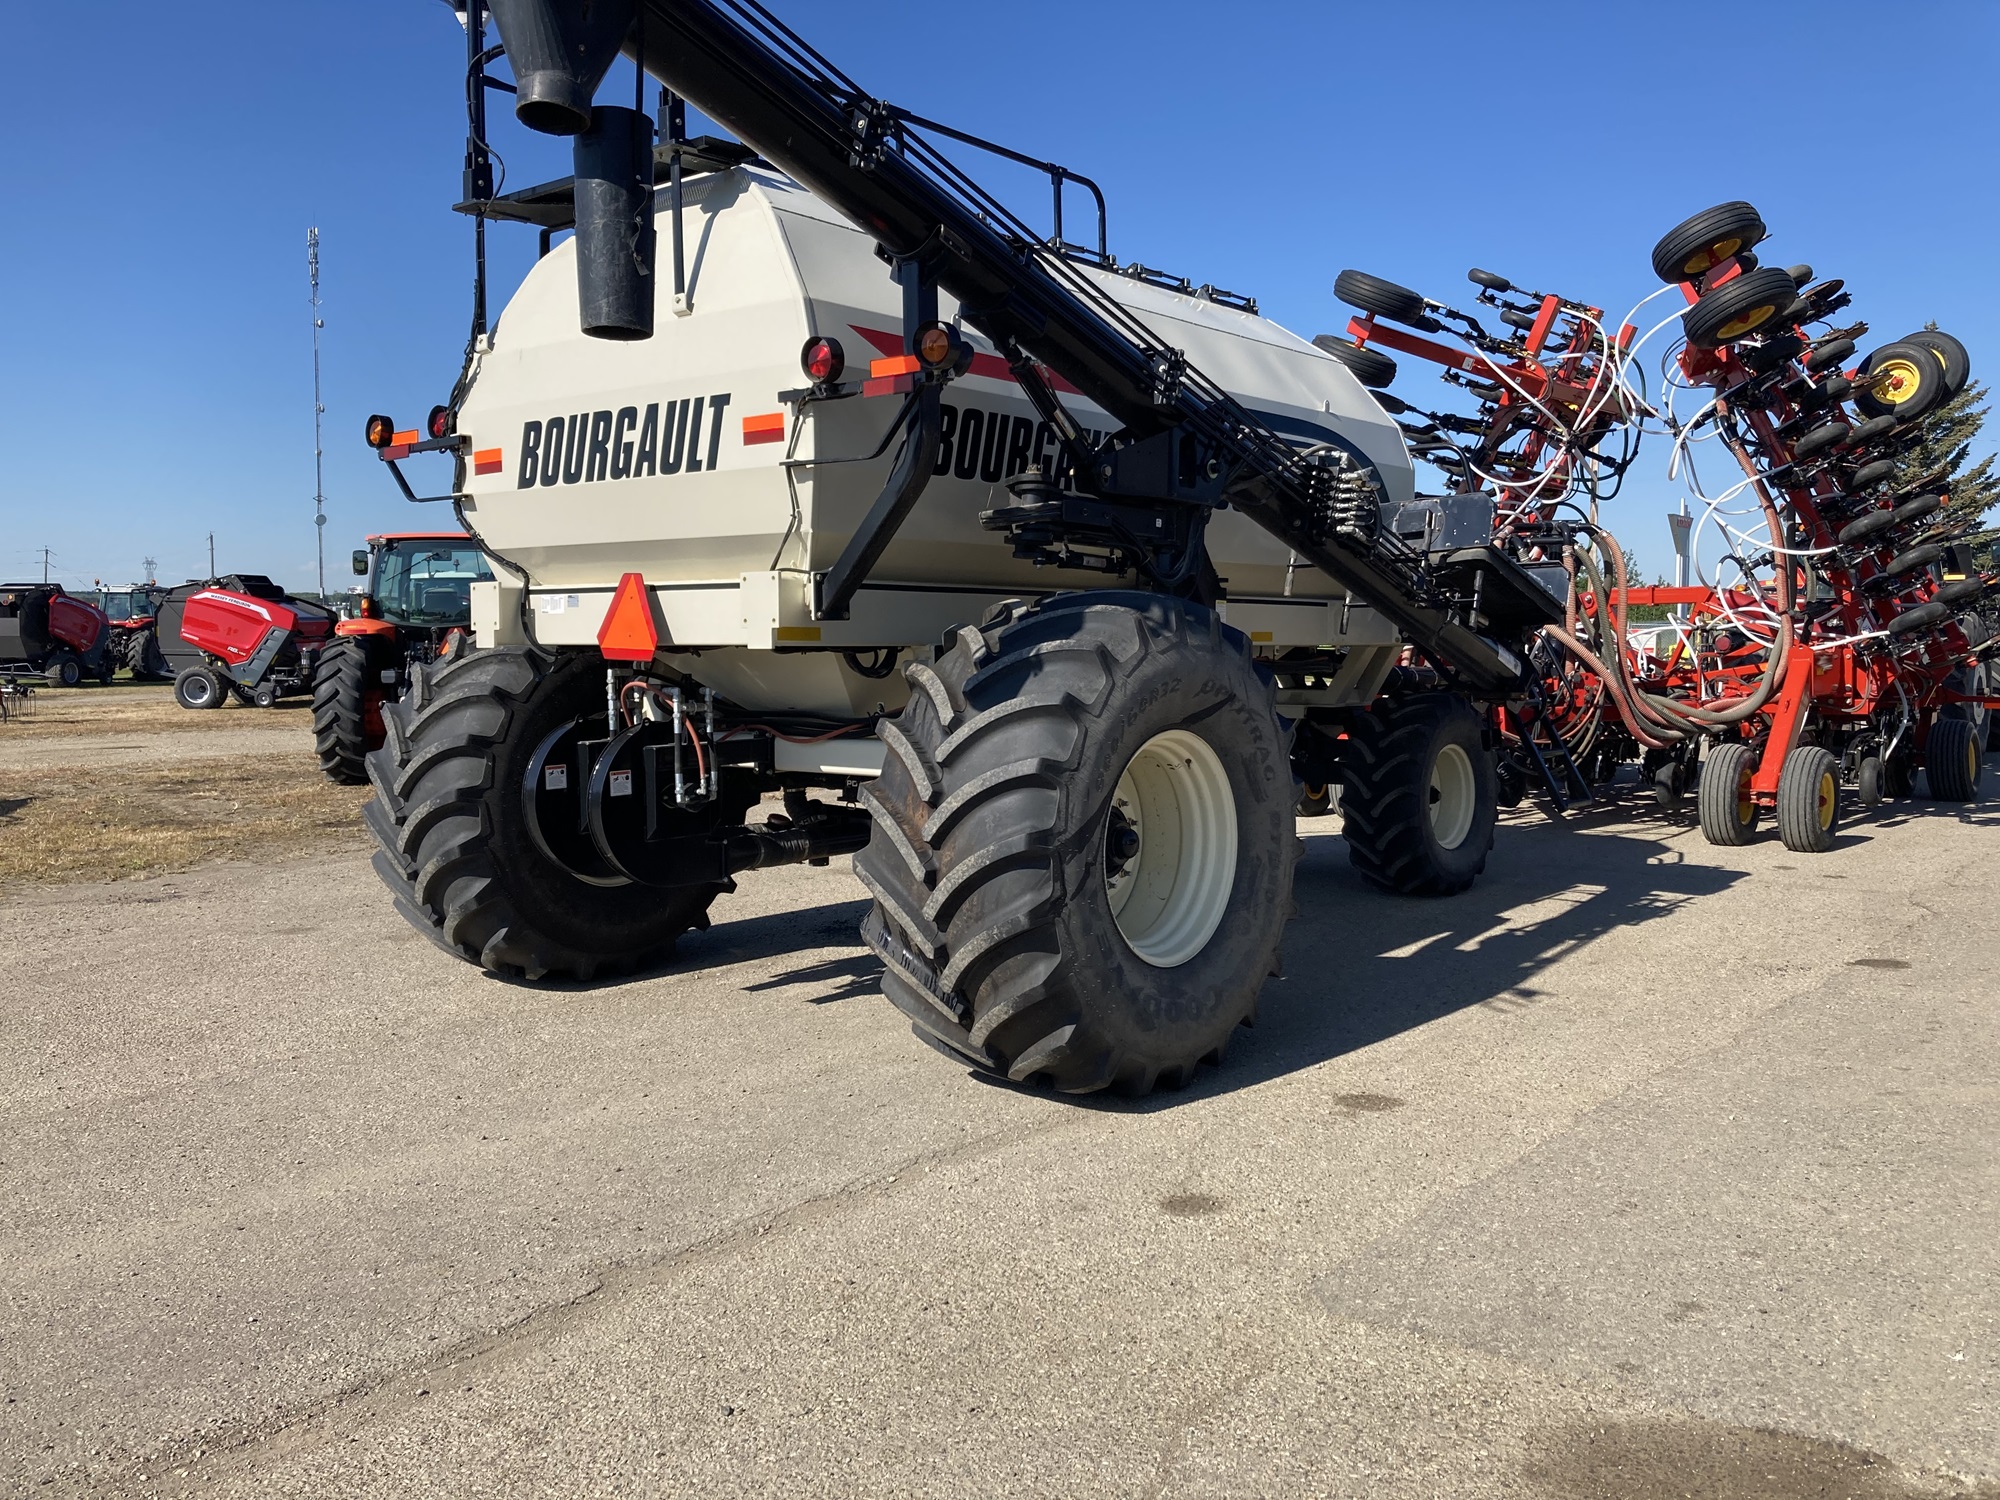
column 1944, row 442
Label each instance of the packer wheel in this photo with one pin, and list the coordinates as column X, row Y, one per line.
column 451, row 814
column 1953, row 760
column 1809, row 799
column 1729, row 812
column 347, row 709
column 1869, row 779
column 1419, row 794
column 1695, row 245
column 1083, row 844
column 1315, row 801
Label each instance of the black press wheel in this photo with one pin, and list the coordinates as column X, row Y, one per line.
column 1695, row 245
column 1746, row 304
column 1419, row 794
column 1952, row 761
column 265, row 695
column 1371, row 367
column 1083, row 844
column 1951, row 354
column 1903, row 380
column 1383, row 299
column 1809, row 799
column 1315, row 801
column 451, row 814
column 199, row 687
column 1870, row 781
column 1728, row 810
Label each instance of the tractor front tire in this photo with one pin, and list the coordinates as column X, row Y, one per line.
column 347, row 710
column 450, row 813
column 1419, row 794
column 1083, row 845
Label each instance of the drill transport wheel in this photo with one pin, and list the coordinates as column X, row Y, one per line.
column 347, row 710
column 451, row 814
column 1809, row 799
column 1952, row 761
column 1419, row 794
column 1379, row 298
column 1904, row 380
column 1738, row 308
column 1693, row 246
column 1728, row 810
column 1083, row 845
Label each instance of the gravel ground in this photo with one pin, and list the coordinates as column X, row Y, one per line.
column 1645, row 1169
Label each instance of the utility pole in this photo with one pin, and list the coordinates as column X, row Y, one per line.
column 211, row 554
column 319, row 411
column 45, row 565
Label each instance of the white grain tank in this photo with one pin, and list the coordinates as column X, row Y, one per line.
column 676, row 458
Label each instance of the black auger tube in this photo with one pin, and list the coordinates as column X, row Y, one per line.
column 699, row 52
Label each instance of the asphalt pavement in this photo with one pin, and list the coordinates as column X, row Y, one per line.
column 1643, row 1169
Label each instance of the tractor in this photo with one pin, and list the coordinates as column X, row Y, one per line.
column 133, row 614
column 417, row 593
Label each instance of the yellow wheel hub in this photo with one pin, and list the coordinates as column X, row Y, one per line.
column 1897, row 381
column 1829, row 796
column 1751, row 321
column 1746, row 800
column 1714, row 255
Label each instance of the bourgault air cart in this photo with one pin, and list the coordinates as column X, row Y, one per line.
column 1030, row 560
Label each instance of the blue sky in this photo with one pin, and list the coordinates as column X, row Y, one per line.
column 155, row 341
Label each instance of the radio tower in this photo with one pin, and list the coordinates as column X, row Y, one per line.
column 319, row 411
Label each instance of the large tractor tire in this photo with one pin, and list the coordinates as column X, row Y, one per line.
column 451, row 815
column 1083, row 845
column 347, row 709
column 1419, row 794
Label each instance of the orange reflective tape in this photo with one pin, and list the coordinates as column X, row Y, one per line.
column 628, row 632
column 487, row 461
column 404, row 439
column 895, row 364
column 768, row 428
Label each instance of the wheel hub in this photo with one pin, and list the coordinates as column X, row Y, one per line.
column 1454, row 796
column 1170, row 848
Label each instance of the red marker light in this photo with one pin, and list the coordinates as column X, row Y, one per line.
column 823, row 360
column 439, row 423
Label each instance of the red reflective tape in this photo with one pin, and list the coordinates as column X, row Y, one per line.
column 768, row 428
column 893, row 385
column 395, row 450
column 487, row 461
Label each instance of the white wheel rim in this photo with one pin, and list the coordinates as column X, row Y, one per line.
column 1454, row 796
column 1168, row 897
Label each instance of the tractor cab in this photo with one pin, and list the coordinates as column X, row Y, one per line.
column 421, row 581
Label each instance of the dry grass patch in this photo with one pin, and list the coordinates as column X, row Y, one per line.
column 63, row 713
column 116, row 822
